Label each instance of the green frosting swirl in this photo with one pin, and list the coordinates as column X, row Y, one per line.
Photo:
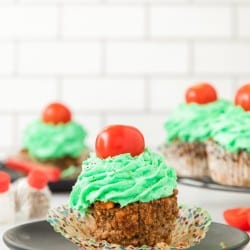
column 232, row 131
column 123, row 179
column 48, row 141
column 192, row 122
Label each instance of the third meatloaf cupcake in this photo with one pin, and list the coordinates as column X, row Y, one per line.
column 229, row 149
column 55, row 139
column 188, row 128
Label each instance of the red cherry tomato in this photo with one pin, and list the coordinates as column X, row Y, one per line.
column 238, row 217
column 201, row 93
column 119, row 139
column 242, row 97
column 56, row 113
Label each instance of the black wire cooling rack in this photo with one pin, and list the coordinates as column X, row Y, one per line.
column 207, row 183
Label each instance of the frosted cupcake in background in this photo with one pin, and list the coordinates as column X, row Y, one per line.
column 189, row 127
column 229, row 149
column 55, row 140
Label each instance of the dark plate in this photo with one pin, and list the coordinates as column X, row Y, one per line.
column 56, row 187
column 209, row 184
column 41, row 236
column 61, row 186
column 36, row 236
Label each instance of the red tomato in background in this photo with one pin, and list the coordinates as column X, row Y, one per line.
column 119, row 139
column 248, row 219
column 242, row 97
column 201, row 93
column 56, row 113
column 238, row 217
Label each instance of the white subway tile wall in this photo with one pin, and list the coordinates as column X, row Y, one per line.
column 103, row 21
column 116, row 61
column 147, row 58
column 59, row 58
column 7, row 58
column 28, row 22
column 6, row 127
column 97, row 95
column 26, row 94
column 222, row 58
column 244, row 21
column 191, row 21
column 165, row 99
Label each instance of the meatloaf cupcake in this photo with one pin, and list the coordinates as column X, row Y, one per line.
column 229, row 149
column 55, row 139
column 127, row 190
column 188, row 128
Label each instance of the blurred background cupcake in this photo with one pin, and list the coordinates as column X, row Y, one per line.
column 229, row 149
column 54, row 140
column 188, row 128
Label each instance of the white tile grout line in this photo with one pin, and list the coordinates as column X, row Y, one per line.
column 103, row 64
column 16, row 57
column 100, row 113
column 15, row 126
column 147, row 21
column 119, row 76
column 234, row 87
column 236, row 22
column 153, row 39
column 109, row 3
column 103, row 119
column 147, row 94
column 59, row 88
column 60, row 10
column 234, row 84
column 190, row 59
column 128, row 75
column 5, row 148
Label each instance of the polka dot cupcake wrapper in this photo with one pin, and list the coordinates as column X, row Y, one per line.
column 191, row 227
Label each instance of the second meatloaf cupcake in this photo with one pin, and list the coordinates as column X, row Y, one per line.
column 127, row 190
column 188, row 128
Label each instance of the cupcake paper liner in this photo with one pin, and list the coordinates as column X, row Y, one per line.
column 191, row 227
column 188, row 159
column 228, row 168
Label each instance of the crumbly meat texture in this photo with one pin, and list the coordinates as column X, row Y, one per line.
column 188, row 159
column 136, row 224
